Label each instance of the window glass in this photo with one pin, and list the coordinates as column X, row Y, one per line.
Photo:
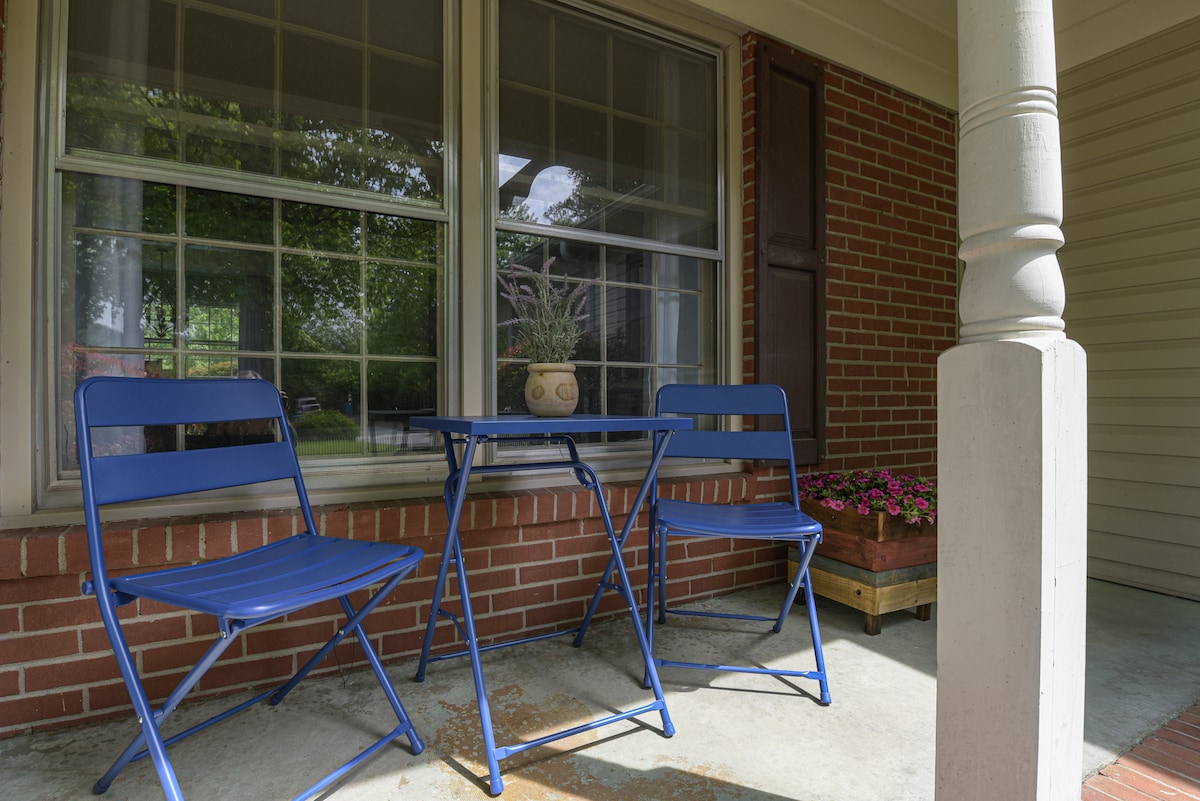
column 300, row 90
column 644, row 325
column 605, row 129
column 254, row 286
column 291, row 208
column 236, row 258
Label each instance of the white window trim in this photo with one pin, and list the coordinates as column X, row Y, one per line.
column 19, row 398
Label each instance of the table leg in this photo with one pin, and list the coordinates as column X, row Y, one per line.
column 623, row 586
column 455, row 496
column 638, row 501
column 485, row 710
column 454, row 488
column 643, row 642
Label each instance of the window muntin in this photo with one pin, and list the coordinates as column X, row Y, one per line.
column 301, row 295
column 347, row 95
column 651, row 320
column 284, row 141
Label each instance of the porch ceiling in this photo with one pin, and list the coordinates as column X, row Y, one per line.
column 912, row 44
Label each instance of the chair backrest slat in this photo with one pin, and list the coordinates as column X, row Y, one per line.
column 766, row 402
column 140, row 476
column 730, row 445
column 113, row 401
column 722, row 399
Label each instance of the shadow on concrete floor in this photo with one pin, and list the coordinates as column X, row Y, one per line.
column 740, row 737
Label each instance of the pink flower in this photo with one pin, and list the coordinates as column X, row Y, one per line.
column 873, row 490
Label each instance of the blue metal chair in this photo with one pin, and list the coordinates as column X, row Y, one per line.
column 242, row 590
column 780, row 521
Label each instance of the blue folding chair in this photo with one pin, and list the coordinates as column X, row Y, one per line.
column 242, row 590
column 780, row 521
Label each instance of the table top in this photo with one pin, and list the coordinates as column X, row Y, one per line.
column 527, row 424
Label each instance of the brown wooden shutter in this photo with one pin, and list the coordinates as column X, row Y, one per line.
column 789, row 316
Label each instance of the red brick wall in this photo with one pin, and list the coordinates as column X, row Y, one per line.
column 535, row 559
column 891, row 266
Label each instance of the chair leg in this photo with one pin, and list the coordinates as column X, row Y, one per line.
column 652, row 575
column 353, row 618
column 657, row 580
column 800, row 579
column 662, row 576
column 807, row 549
column 811, row 604
column 353, row 625
column 406, row 725
column 149, row 742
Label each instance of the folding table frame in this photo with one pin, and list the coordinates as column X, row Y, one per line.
column 470, row 433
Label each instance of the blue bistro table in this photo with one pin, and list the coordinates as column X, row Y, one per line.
column 470, row 433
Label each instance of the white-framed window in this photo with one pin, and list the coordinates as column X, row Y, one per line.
column 607, row 162
column 279, row 188
column 257, row 188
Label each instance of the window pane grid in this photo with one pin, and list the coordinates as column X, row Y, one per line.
column 346, row 327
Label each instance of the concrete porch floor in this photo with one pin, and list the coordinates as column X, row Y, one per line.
column 740, row 737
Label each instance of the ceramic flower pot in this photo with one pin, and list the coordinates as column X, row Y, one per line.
column 551, row 389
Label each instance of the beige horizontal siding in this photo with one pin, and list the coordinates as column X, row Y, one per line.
column 1125, row 525
column 1170, row 412
column 1167, row 471
column 1164, row 581
column 1131, row 179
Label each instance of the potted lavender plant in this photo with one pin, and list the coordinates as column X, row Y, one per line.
column 548, row 316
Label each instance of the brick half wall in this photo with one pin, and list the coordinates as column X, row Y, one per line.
column 535, row 559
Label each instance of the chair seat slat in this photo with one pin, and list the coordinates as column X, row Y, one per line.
column 730, row 445
column 284, row 575
column 758, row 520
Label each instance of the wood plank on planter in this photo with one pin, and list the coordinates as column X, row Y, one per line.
column 877, row 526
column 875, row 593
column 875, row 555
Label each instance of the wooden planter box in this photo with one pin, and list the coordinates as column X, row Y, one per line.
column 874, row 563
column 873, row 542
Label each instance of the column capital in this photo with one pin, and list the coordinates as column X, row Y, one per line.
column 1010, row 172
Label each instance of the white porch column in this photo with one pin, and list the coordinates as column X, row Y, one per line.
column 1012, row 451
